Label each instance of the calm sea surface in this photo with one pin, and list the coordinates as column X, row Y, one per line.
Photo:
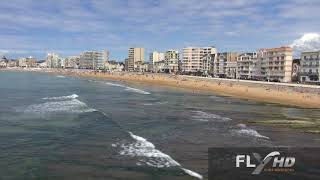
column 56, row 127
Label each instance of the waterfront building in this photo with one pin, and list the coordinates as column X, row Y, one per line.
column 276, row 63
column 156, row 57
column 224, row 60
column 144, row 67
column 3, row 63
column 53, row 60
column 22, row 62
column 72, row 62
column 209, row 59
column 12, row 63
column 159, row 67
column 92, row 60
column 126, row 64
column 114, row 66
column 171, row 61
column 309, row 67
column 231, row 70
column 194, row 60
column 135, row 58
column 248, row 66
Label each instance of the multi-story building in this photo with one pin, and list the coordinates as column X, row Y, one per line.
column 159, row 67
column 171, row 61
column 53, row 60
column 12, row 63
column 276, row 63
column 295, row 70
column 72, row 62
column 3, row 62
column 114, row 66
column 135, row 58
column 224, row 60
column 126, row 64
column 194, row 60
column 247, row 66
column 309, row 67
column 92, row 60
column 156, row 57
column 231, row 70
column 22, row 62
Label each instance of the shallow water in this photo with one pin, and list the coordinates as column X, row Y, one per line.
column 53, row 128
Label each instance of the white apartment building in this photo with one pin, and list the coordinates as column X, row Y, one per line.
column 309, row 67
column 53, row 60
column 156, row 57
column 72, row 62
column 247, row 66
column 135, row 58
column 92, row 60
column 194, row 59
column 171, row 61
column 276, row 63
column 224, row 60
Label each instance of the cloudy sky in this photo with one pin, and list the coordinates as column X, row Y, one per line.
column 69, row 27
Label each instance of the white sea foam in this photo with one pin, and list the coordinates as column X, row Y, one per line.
column 203, row 116
column 60, row 76
column 192, row 173
column 73, row 96
column 127, row 88
column 245, row 131
column 113, row 84
column 143, row 148
column 136, row 90
column 155, row 158
column 66, row 106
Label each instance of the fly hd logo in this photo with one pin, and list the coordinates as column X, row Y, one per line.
column 272, row 162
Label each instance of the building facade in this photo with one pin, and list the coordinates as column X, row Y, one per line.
column 72, row 62
column 247, row 66
column 224, row 60
column 171, row 61
column 92, row 60
column 53, row 60
column 276, row 63
column 156, row 57
column 309, row 67
column 194, row 60
column 29, row 62
column 135, row 58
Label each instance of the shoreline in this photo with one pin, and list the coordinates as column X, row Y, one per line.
column 302, row 96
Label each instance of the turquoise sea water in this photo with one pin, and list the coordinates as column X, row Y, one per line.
column 57, row 127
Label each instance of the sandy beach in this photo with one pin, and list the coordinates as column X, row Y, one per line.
column 304, row 96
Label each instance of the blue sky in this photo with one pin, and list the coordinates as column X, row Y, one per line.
column 34, row 28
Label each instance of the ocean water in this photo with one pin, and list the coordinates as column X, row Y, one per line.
column 60, row 127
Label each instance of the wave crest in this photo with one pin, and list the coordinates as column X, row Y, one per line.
column 155, row 158
column 73, row 96
column 203, row 116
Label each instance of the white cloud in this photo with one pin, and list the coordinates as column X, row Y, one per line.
column 307, row 42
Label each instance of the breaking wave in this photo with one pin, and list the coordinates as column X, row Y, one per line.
column 127, row 88
column 65, row 104
column 245, row 131
column 60, row 76
column 203, row 116
column 136, row 90
column 73, row 96
column 151, row 156
column 113, row 84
